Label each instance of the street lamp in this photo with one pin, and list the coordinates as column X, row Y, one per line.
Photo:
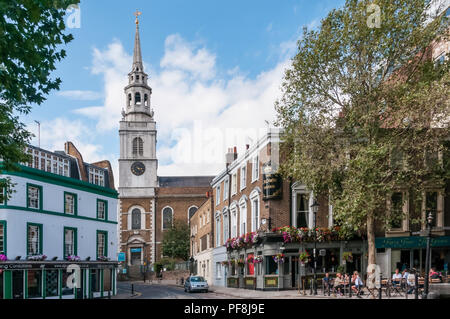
column 315, row 208
column 428, row 257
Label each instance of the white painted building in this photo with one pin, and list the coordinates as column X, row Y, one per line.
column 65, row 209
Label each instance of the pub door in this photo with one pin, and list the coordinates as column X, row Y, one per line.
column 294, row 272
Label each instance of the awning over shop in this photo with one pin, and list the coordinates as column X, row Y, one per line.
column 411, row 242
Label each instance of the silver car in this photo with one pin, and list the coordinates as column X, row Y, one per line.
column 195, row 283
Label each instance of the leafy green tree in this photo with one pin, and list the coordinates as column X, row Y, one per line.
column 176, row 241
column 362, row 103
column 31, row 32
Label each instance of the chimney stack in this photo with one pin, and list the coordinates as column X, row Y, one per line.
column 230, row 156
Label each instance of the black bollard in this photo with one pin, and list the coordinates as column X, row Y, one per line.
column 109, row 294
column 379, row 292
column 132, row 289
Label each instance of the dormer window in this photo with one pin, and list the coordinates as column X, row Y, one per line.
column 137, row 98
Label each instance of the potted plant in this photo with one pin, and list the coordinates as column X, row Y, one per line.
column 37, row 257
column 102, row 258
column 73, row 258
column 3, row 257
column 258, row 259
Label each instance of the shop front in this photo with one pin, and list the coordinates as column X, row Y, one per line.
column 272, row 264
column 410, row 252
column 57, row 280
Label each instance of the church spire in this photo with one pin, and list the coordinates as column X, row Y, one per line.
column 137, row 56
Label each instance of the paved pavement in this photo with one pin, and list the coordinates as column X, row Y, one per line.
column 168, row 289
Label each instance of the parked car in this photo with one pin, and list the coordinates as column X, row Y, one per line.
column 195, row 283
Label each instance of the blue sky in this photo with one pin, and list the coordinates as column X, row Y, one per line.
column 215, row 68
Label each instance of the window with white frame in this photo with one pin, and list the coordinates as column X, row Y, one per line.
column 226, row 188
column 69, row 242
column 431, row 206
column 136, row 218
column 34, row 238
column 69, row 203
column 255, row 168
column 234, row 232
column 234, row 184
column 96, row 176
column 217, row 195
column 255, row 212
column 225, row 226
column 101, row 244
column 218, row 231
column 302, row 209
column 101, row 209
column 243, row 176
column 34, row 196
column 48, row 162
column 243, row 218
column 218, row 270
column 396, row 212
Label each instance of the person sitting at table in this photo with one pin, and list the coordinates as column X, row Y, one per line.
column 396, row 277
column 434, row 274
column 338, row 284
column 405, row 275
column 327, row 282
column 411, row 281
column 357, row 282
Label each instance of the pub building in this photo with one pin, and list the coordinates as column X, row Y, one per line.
column 61, row 216
column 259, row 216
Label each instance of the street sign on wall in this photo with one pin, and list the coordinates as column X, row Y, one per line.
column 121, row 257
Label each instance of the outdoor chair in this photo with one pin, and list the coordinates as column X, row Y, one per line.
column 395, row 289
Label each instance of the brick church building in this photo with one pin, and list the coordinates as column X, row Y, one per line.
column 148, row 203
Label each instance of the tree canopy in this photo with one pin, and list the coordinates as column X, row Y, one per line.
column 176, row 241
column 31, row 34
column 363, row 105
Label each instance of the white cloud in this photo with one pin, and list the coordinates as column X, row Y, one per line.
column 80, row 95
column 199, row 113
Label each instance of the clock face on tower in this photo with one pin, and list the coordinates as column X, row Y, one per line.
column 138, row 168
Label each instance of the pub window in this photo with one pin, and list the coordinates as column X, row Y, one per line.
column 167, row 218
column 137, row 98
column 243, row 218
column 34, row 283
column 70, row 203
column 302, row 210
column 101, row 209
column 66, row 290
column 107, row 280
column 396, row 210
column 3, row 237
column 136, row 219
column 95, row 280
column 70, row 237
column 51, row 283
column 431, row 206
column 101, row 244
column 34, row 239
column 271, row 266
column 34, row 196
column 138, row 146
column 255, row 214
column 18, row 284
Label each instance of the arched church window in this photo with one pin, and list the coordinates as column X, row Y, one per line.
column 138, row 146
column 145, row 100
column 129, row 99
column 192, row 211
column 136, row 219
column 137, row 98
column 167, row 218
column 137, row 77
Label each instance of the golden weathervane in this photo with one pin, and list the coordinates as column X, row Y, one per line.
column 137, row 14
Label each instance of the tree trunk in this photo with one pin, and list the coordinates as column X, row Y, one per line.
column 371, row 239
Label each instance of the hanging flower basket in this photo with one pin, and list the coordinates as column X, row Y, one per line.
column 304, row 257
column 258, row 259
column 250, row 260
column 278, row 258
column 3, row 257
column 347, row 256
